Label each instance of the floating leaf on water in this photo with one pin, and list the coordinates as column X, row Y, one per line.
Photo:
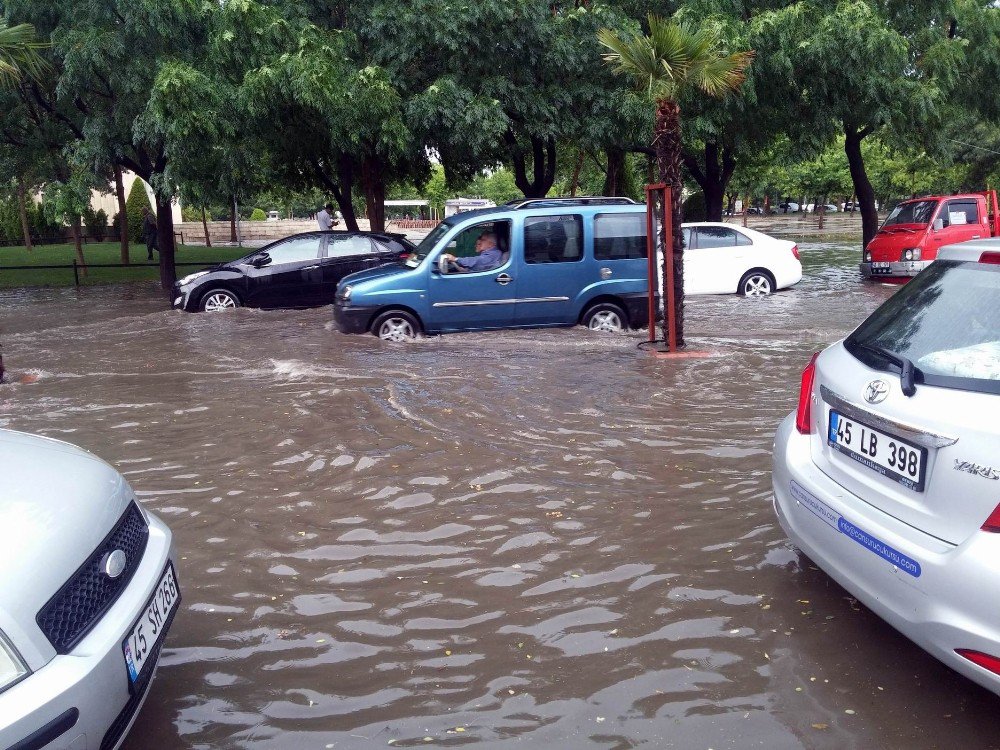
column 821, row 726
column 849, row 711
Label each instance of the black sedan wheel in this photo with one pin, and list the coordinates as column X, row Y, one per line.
column 219, row 300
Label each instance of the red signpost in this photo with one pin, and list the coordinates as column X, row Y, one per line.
column 658, row 196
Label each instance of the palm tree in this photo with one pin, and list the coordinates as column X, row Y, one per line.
column 20, row 54
column 672, row 60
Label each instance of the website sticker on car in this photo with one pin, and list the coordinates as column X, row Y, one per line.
column 883, row 453
column 833, row 519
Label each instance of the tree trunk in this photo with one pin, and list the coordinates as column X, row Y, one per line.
column 122, row 216
column 667, row 144
column 746, row 209
column 232, row 219
column 862, row 185
column 78, row 244
column 204, row 223
column 822, row 212
column 165, row 242
column 22, row 209
column 543, row 164
column 575, row 184
column 767, row 205
column 373, row 183
column 720, row 163
column 613, row 182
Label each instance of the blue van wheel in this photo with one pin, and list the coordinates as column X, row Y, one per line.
column 396, row 325
column 607, row 317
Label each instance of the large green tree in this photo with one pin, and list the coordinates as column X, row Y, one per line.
column 666, row 63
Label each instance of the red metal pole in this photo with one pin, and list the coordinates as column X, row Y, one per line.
column 653, row 286
column 668, row 271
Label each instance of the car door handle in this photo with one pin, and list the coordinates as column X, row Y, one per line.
column 310, row 268
column 503, row 279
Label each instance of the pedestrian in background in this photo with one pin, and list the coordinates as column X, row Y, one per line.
column 325, row 218
column 149, row 232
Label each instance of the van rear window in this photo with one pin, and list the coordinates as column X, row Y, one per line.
column 553, row 239
column 619, row 236
column 946, row 322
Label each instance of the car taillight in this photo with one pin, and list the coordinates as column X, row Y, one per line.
column 993, row 258
column 795, row 251
column 803, row 417
column 985, row 661
column 993, row 522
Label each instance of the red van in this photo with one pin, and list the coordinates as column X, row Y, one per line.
column 909, row 239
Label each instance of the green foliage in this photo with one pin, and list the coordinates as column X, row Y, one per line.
column 258, row 215
column 136, row 201
column 694, row 207
column 96, row 223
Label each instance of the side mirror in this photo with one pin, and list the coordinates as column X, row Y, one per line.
column 261, row 260
column 442, row 265
column 938, row 224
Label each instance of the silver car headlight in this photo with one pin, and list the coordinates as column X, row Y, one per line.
column 12, row 668
column 345, row 293
column 191, row 277
column 911, row 253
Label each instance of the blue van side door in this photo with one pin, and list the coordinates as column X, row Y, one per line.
column 551, row 271
column 476, row 299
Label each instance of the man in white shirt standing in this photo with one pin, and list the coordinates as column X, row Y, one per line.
column 325, row 218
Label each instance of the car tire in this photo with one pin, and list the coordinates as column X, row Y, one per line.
column 219, row 300
column 607, row 317
column 396, row 326
column 756, row 284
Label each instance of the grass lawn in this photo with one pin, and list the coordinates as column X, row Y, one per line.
column 97, row 253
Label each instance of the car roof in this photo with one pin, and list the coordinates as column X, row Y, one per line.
column 971, row 250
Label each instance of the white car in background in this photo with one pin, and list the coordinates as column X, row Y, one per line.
column 888, row 475
column 726, row 259
column 88, row 591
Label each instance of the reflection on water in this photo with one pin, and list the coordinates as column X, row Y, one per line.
column 540, row 537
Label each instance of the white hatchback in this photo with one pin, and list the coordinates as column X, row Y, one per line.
column 87, row 592
column 888, row 475
column 725, row 259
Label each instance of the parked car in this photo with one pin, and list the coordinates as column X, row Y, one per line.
column 828, row 208
column 728, row 259
column 298, row 271
column 88, row 591
column 563, row 262
column 887, row 476
column 786, row 208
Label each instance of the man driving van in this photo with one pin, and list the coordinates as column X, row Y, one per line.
column 488, row 255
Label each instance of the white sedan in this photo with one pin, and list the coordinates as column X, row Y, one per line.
column 726, row 259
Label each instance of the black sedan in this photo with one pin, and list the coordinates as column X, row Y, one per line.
column 298, row 271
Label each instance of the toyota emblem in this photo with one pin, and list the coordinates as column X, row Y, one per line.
column 876, row 391
column 113, row 564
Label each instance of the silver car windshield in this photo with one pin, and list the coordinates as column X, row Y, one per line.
column 946, row 322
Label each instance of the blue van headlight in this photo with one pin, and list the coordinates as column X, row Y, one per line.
column 344, row 293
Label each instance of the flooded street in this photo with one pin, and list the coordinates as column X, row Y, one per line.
column 539, row 539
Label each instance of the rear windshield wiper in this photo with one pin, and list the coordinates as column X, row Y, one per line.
column 906, row 368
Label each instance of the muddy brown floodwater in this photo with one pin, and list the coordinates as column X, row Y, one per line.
column 541, row 539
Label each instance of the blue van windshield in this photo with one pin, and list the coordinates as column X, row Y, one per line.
column 427, row 244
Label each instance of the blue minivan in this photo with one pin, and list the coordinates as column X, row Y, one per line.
column 562, row 262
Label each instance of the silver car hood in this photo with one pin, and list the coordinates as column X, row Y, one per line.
column 57, row 503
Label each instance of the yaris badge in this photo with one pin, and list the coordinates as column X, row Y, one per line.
column 113, row 564
column 876, row 391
